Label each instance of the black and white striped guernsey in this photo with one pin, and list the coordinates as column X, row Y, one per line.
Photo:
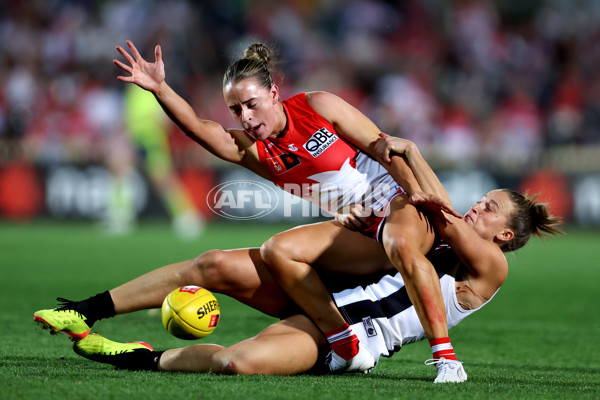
column 383, row 317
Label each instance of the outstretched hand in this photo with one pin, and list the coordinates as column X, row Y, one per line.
column 435, row 205
column 146, row 75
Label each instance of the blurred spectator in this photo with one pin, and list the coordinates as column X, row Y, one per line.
column 407, row 109
column 515, row 138
column 458, row 140
column 470, row 81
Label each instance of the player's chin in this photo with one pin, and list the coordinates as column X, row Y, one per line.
column 261, row 134
column 257, row 133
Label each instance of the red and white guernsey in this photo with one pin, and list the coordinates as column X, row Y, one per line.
column 313, row 162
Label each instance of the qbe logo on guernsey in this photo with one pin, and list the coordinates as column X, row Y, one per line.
column 319, row 142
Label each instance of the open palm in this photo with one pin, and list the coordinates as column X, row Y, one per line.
column 146, row 75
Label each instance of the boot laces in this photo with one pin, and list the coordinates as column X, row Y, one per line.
column 65, row 304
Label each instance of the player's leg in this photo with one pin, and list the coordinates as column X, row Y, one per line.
column 288, row 347
column 239, row 273
column 120, row 215
column 293, row 258
column 186, row 220
column 407, row 236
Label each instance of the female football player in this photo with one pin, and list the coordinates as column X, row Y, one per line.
column 318, row 147
column 470, row 264
column 314, row 141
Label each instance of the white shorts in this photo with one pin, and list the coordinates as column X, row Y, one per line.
column 370, row 311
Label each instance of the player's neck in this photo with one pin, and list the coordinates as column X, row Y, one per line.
column 283, row 127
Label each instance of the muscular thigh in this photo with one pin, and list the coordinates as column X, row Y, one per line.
column 288, row 347
column 248, row 280
column 331, row 247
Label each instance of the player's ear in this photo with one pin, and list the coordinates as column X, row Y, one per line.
column 274, row 94
column 506, row 235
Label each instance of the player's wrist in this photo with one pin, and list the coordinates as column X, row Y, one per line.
column 411, row 151
column 161, row 89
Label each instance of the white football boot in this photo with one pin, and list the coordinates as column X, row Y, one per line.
column 448, row 371
column 363, row 362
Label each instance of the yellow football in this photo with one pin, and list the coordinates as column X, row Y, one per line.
column 190, row 312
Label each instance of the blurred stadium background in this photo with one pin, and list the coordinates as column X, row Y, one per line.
column 495, row 93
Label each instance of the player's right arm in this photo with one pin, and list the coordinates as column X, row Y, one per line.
column 228, row 145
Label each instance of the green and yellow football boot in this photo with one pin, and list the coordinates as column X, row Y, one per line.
column 63, row 319
column 98, row 348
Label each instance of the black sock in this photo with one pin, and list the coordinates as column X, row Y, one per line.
column 137, row 360
column 95, row 308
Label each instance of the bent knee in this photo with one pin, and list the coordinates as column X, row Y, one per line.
column 397, row 246
column 210, row 268
column 276, row 249
column 234, row 364
column 401, row 252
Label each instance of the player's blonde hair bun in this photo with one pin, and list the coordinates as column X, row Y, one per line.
column 259, row 52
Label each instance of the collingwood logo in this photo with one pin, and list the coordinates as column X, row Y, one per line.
column 369, row 327
column 319, row 142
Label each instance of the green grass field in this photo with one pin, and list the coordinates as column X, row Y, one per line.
column 534, row 340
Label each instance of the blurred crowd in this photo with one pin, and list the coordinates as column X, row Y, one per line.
column 476, row 83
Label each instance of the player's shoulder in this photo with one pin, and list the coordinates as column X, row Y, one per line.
column 326, row 104
column 316, row 97
column 320, row 97
column 494, row 265
column 307, row 104
column 482, row 257
column 487, row 280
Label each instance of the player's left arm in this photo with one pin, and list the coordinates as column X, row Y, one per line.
column 358, row 129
